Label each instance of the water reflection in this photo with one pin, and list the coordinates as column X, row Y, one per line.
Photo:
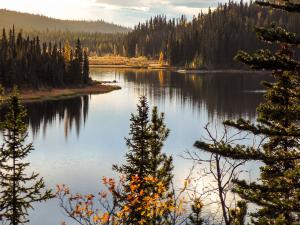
column 71, row 113
column 222, row 95
column 229, row 95
column 95, row 126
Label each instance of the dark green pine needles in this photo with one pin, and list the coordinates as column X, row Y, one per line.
column 277, row 192
column 19, row 189
column 145, row 157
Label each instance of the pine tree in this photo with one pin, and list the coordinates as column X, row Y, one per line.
column 85, row 70
column 144, row 158
column 78, row 63
column 278, row 188
column 160, row 165
column 138, row 143
column 18, row 190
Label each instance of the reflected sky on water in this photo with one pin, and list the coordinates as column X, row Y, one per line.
column 78, row 139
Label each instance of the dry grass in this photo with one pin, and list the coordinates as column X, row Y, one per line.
column 120, row 61
column 57, row 93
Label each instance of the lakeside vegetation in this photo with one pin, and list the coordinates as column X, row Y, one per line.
column 29, row 64
column 145, row 192
column 62, row 93
column 125, row 62
column 209, row 41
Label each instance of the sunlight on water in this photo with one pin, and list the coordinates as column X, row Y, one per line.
column 77, row 140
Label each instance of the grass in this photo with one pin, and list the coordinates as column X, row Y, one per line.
column 124, row 62
column 30, row 95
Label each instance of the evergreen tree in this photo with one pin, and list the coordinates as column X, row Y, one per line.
column 278, row 188
column 144, row 158
column 24, row 63
column 160, row 165
column 78, row 63
column 138, row 143
column 18, row 190
column 85, row 70
column 210, row 40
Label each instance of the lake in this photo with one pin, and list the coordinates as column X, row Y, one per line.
column 78, row 139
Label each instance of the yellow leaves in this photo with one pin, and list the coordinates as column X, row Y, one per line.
column 105, row 218
column 96, row 218
column 199, row 205
column 67, row 51
column 146, row 196
column 161, row 58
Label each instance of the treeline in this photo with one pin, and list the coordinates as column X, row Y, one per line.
column 32, row 22
column 210, row 40
column 28, row 63
column 94, row 43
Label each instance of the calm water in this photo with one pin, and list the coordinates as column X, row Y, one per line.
column 77, row 140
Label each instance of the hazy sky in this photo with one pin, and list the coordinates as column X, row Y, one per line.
column 124, row 12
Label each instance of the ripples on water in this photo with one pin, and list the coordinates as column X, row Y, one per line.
column 78, row 139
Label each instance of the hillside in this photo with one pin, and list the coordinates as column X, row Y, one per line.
column 210, row 40
column 30, row 22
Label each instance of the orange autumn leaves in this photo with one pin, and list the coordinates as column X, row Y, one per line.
column 147, row 197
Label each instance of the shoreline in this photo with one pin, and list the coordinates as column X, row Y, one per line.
column 120, row 62
column 63, row 93
column 175, row 69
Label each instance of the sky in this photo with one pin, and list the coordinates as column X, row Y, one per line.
column 123, row 12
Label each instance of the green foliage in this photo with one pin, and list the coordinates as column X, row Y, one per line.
column 19, row 190
column 210, row 40
column 145, row 157
column 94, row 43
column 287, row 5
column 85, row 69
column 28, row 63
column 277, row 190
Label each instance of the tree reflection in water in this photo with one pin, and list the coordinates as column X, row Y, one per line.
column 71, row 112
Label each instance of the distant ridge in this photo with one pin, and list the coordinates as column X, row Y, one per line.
column 32, row 22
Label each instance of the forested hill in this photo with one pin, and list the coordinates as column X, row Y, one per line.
column 210, row 40
column 31, row 22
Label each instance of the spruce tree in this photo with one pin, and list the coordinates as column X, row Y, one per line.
column 160, row 165
column 138, row 143
column 19, row 190
column 145, row 157
column 78, row 62
column 277, row 192
column 86, row 69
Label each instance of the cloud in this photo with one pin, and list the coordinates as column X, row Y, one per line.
column 130, row 12
column 123, row 12
column 148, row 5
